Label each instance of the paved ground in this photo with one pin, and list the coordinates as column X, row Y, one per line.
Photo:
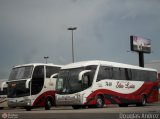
column 110, row 112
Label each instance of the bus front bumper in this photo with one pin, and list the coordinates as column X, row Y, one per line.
column 68, row 100
column 16, row 103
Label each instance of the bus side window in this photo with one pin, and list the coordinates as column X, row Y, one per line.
column 4, row 92
column 153, row 76
column 105, row 73
column 51, row 70
column 109, row 72
column 137, row 75
column 134, row 75
column 145, row 76
column 141, row 75
column 92, row 73
column 86, row 81
column 116, row 73
column 101, row 74
column 38, row 72
column 123, row 75
column 128, row 74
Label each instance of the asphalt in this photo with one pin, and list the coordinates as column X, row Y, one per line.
column 109, row 112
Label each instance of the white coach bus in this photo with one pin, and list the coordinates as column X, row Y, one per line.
column 98, row 83
column 32, row 85
column 3, row 94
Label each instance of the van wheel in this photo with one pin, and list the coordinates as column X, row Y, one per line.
column 48, row 104
column 99, row 102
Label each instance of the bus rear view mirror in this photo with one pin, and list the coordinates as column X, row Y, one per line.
column 2, row 85
column 82, row 73
column 54, row 75
column 27, row 83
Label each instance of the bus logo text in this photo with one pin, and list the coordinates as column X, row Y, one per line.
column 127, row 85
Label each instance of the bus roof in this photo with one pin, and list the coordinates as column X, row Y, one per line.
column 104, row 63
column 36, row 64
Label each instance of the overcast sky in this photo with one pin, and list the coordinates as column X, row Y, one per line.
column 32, row 29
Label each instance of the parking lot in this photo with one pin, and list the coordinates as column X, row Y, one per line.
column 110, row 111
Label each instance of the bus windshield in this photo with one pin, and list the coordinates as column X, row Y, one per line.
column 68, row 82
column 17, row 89
column 24, row 72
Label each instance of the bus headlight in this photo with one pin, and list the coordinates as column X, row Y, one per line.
column 78, row 96
column 81, row 97
column 28, row 102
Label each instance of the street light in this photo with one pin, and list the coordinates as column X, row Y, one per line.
column 72, row 29
column 46, row 58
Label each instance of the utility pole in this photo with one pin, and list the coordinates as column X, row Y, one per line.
column 72, row 29
column 46, row 57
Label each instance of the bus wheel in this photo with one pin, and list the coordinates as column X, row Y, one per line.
column 91, row 106
column 99, row 102
column 143, row 101
column 76, row 106
column 28, row 108
column 1, row 108
column 123, row 105
column 48, row 104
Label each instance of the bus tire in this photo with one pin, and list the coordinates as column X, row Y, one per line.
column 76, row 106
column 91, row 106
column 123, row 105
column 143, row 101
column 1, row 108
column 28, row 108
column 48, row 104
column 99, row 102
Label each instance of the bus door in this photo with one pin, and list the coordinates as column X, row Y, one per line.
column 37, row 82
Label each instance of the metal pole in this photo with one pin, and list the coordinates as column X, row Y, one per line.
column 72, row 29
column 72, row 48
column 141, row 59
column 46, row 59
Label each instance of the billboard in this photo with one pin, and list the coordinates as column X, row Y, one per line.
column 140, row 44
